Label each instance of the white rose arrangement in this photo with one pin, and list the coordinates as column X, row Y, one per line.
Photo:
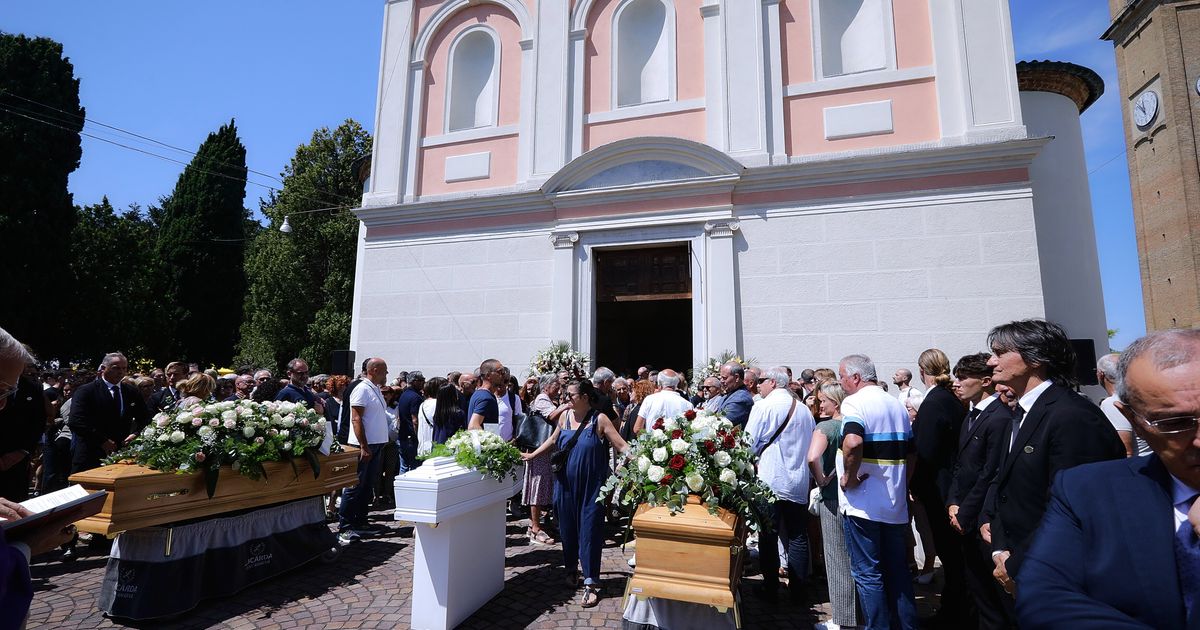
column 480, row 450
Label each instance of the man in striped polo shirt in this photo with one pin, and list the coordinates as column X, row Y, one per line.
column 874, row 464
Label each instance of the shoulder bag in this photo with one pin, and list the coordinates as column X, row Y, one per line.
column 758, row 454
column 533, row 430
column 558, row 461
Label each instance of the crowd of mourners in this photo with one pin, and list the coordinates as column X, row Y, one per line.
column 962, row 466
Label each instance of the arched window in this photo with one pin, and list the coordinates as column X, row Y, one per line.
column 474, row 80
column 643, row 46
column 855, row 36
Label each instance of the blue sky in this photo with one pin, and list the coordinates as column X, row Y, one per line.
column 175, row 71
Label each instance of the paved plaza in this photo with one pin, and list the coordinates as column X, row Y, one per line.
column 370, row 586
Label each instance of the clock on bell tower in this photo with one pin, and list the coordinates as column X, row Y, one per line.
column 1157, row 46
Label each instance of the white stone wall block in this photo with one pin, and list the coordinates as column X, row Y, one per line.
column 520, row 249
column 814, row 257
column 452, row 253
column 927, row 252
column 1009, row 215
column 419, row 328
column 373, row 330
column 959, row 344
column 758, row 261
column 792, row 350
column 1018, row 280
column 860, row 119
column 879, row 285
column 791, row 289
column 447, row 302
column 461, row 168
column 934, row 315
column 487, row 324
column 848, row 225
column 1007, row 246
column 523, row 300
column 760, row 319
column 782, row 230
column 838, row 316
column 1007, row 309
column 902, row 348
column 534, row 326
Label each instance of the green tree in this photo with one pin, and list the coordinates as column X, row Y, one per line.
column 301, row 285
column 40, row 121
column 201, row 245
column 112, row 268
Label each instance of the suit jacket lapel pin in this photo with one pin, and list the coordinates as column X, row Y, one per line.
column 1028, row 450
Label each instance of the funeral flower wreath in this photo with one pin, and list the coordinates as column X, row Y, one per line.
column 242, row 434
column 692, row 454
column 480, row 450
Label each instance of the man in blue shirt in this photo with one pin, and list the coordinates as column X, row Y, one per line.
column 297, row 389
column 406, row 421
column 736, row 401
column 483, row 407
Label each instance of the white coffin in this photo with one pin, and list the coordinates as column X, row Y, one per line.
column 458, row 564
column 440, row 490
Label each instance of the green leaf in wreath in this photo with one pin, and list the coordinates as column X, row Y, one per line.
column 314, row 462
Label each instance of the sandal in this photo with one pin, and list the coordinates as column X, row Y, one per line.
column 540, row 537
column 590, row 596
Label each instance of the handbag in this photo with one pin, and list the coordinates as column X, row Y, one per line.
column 533, row 431
column 558, row 461
column 814, row 501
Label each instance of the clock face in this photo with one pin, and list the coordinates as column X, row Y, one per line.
column 1145, row 108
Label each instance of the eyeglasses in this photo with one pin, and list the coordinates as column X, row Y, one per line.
column 708, row 387
column 1172, row 426
column 763, row 380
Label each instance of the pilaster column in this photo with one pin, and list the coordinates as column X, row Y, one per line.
column 714, row 75
column 389, row 157
column 416, row 127
column 721, row 282
column 551, row 72
column 562, row 289
column 773, row 61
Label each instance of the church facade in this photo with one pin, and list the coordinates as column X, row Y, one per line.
column 664, row 180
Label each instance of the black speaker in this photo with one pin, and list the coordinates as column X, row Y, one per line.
column 1085, row 361
column 342, row 362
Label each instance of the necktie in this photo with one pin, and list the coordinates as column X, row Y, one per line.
column 115, row 390
column 972, row 416
column 1187, row 560
column 1017, row 418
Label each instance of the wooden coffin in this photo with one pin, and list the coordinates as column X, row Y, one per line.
column 693, row 556
column 141, row 497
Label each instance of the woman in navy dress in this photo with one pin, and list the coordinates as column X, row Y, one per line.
column 580, row 517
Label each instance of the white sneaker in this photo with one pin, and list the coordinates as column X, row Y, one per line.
column 827, row 625
column 632, row 561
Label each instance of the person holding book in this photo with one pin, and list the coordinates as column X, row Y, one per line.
column 16, row 590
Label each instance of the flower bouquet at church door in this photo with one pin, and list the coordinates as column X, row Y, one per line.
column 693, row 481
column 170, row 471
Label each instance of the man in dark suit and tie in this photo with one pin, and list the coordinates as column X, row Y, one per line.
column 1054, row 429
column 104, row 414
column 164, row 397
column 979, row 454
column 1119, row 545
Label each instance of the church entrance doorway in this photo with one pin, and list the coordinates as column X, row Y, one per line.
column 643, row 308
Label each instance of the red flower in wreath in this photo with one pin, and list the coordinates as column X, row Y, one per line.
column 666, row 479
column 690, row 414
column 677, row 462
column 710, row 446
column 676, row 434
column 658, row 424
column 728, row 441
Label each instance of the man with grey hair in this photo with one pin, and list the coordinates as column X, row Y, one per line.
column 16, row 592
column 105, row 414
column 1136, row 518
column 874, row 464
column 1106, row 374
column 665, row 402
column 621, row 395
column 780, row 432
column 751, row 381
column 710, row 393
column 603, row 379
column 736, row 401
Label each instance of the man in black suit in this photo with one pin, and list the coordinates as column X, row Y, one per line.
column 979, row 454
column 164, row 397
column 1119, row 546
column 104, row 414
column 1054, row 429
column 22, row 422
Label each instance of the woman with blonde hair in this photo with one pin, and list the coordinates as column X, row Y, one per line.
column 822, row 455
column 935, row 433
column 196, row 390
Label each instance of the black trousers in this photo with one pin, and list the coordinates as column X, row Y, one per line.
column 986, row 594
column 954, row 611
column 791, row 524
column 14, row 482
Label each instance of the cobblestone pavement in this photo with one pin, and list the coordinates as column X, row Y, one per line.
column 370, row 586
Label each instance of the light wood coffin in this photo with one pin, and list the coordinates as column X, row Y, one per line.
column 693, row 556
column 141, row 497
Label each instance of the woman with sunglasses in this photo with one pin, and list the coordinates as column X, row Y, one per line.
column 588, row 435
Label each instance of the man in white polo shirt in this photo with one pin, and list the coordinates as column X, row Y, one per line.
column 369, row 427
column 665, row 402
column 874, row 463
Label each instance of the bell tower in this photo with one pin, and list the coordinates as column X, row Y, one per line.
column 1157, row 46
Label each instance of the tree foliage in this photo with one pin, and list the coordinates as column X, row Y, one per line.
column 301, row 285
column 112, row 267
column 40, row 121
column 201, row 244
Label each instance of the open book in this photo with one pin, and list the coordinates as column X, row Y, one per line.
column 57, row 509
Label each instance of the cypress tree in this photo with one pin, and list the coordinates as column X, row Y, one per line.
column 201, row 244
